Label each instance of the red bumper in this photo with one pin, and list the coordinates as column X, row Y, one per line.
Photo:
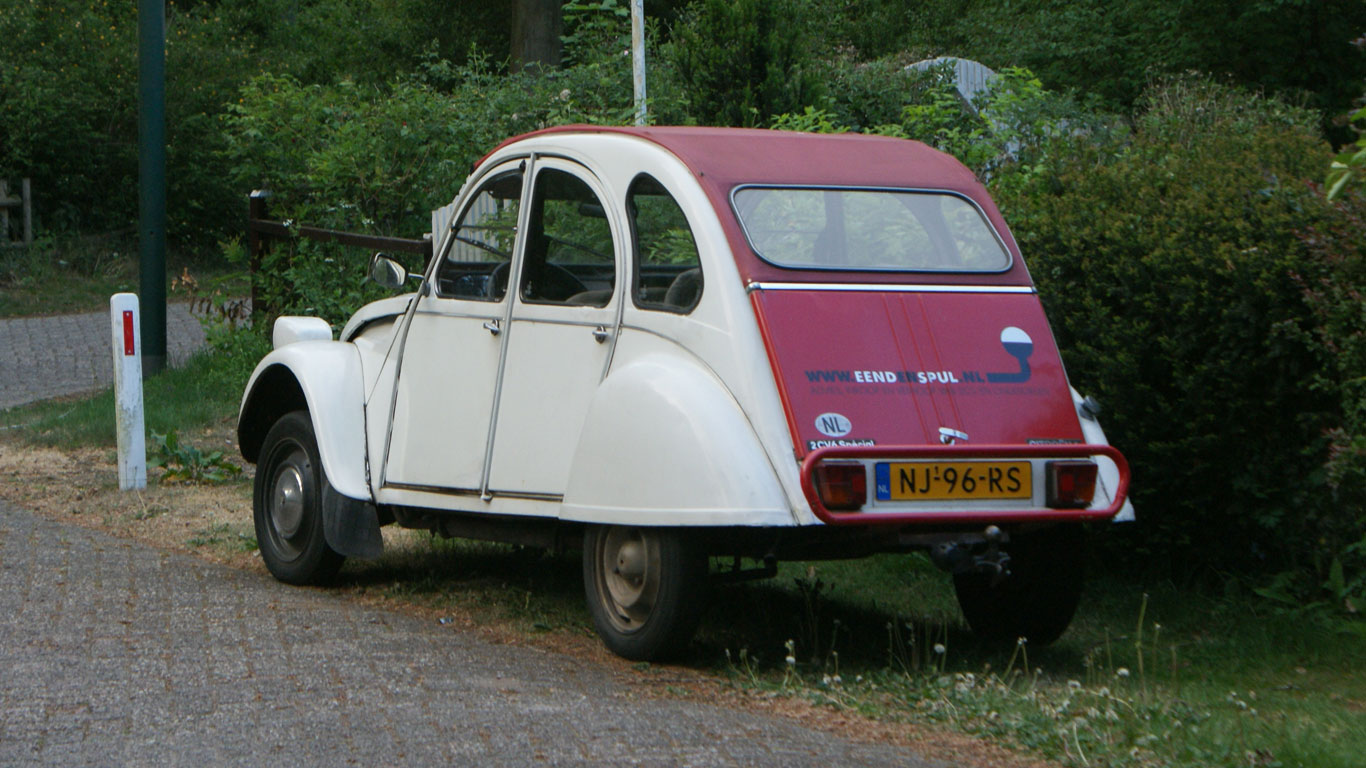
column 955, row 453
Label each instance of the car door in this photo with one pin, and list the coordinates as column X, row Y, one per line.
column 564, row 322
column 448, row 372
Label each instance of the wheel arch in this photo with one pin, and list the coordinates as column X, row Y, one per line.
column 274, row 392
column 323, row 378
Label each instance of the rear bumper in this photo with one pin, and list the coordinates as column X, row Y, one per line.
column 931, row 515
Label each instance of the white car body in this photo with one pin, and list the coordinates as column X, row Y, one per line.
column 442, row 408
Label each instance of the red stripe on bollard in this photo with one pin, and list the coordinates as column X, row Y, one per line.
column 128, row 344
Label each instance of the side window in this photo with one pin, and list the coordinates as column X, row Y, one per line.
column 477, row 265
column 570, row 256
column 668, row 274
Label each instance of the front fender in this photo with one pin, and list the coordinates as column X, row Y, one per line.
column 324, row 377
column 664, row 443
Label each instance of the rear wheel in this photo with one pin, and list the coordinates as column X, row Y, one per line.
column 1037, row 600
column 287, row 504
column 646, row 588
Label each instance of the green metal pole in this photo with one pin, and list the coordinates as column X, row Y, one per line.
column 152, row 181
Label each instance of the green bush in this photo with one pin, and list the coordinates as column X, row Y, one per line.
column 1169, row 267
column 863, row 94
column 349, row 157
column 1010, row 125
column 1350, row 164
column 380, row 158
column 1338, row 299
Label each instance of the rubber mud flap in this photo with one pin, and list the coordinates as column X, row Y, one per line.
column 351, row 526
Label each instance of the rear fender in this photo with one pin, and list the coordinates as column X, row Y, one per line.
column 664, row 443
column 325, row 378
column 1109, row 472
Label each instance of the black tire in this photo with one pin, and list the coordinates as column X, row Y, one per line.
column 287, row 504
column 1037, row 600
column 646, row 589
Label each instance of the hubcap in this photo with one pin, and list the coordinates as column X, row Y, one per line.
column 288, row 501
column 288, row 505
column 628, row 570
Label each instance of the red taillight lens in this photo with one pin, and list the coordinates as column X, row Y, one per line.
column 1071, row 484
column 842, row 487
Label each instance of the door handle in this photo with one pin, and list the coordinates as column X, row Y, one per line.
column 492, row 327
column 600, row 334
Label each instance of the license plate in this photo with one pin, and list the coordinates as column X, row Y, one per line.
column 940, row 480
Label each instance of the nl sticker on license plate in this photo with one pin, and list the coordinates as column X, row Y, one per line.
column 941, row 480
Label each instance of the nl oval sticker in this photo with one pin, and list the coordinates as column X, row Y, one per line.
column 833, row 425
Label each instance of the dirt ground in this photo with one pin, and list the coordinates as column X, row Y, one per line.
column 214, row 522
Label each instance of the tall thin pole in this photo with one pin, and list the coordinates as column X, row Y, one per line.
column 152, row 181
column 638, row 56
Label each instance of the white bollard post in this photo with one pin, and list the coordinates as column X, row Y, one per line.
column 127, row 338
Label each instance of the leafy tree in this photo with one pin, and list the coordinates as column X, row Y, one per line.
column 741, row 62
column 68, row 113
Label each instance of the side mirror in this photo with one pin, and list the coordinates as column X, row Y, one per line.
column 387, row 272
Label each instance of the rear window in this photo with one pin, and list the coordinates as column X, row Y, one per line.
column 875, row 229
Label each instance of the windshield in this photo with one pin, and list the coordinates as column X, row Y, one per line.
column 876, row 229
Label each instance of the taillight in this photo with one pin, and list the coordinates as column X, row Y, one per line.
column 842, row 487
column 1071, row 484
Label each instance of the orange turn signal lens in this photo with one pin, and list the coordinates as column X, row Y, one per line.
column 842, row 487
column 1071, row 484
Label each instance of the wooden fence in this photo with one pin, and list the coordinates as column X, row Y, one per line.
column 261, row 230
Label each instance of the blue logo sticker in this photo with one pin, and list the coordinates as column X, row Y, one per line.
column 1019, row 346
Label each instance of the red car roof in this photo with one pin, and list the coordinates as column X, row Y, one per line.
column 724, row 158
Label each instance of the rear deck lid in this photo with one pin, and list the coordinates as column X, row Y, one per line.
column 915, row 365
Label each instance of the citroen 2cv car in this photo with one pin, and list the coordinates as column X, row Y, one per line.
column 696, row 352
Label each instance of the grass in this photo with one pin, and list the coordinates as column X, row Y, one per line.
column 207, row 390
column 71, row 275
column 79, row 274
column 1150, row 674
column 1147, row 675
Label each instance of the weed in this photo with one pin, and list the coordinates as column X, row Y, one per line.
column 147, row 513
column 223, row 535
column 188, row 464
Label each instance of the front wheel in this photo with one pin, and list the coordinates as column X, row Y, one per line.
column 1037, row 599
column 287, row 504
column 646, row 588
